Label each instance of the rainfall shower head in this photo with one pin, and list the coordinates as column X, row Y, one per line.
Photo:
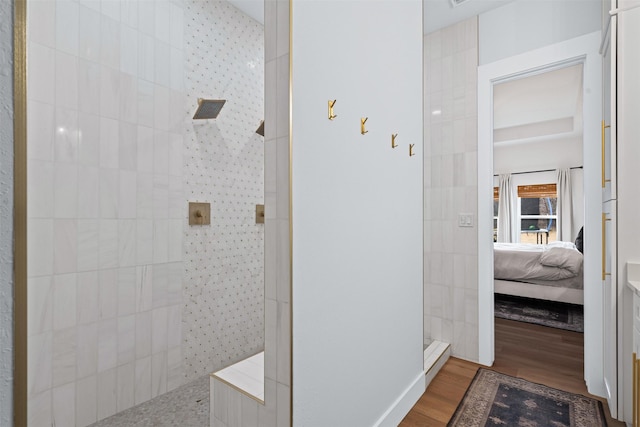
column 208, row 108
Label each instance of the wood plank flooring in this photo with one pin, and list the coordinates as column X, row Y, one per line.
column 548, row 356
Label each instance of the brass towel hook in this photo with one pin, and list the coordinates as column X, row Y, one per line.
column 393, row 140
column 331, row 114
column 363, row 120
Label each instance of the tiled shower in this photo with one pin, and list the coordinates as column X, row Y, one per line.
column 126, row 300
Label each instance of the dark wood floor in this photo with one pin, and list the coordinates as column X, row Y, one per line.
column 536, row 353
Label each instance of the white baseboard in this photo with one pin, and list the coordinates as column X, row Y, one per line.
column 404, row 403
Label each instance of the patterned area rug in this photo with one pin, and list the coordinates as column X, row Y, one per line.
column 546, row 313
column 495, row 399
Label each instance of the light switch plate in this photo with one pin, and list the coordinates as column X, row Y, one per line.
column 465, row 220
column 199, row 213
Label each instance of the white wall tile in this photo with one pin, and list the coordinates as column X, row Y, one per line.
column 125, row 397
column 129, row 13
column 87, row 244
column 144, row 276
column 158, row 374
column 158, row 330
column 162, row 65
column 127, row 202
column 128, row 98
column 160, row 241
column 126, row 339
column 40, row 305
column 128, row 50
column 87, row 293
column 174, row 368
column 89, row 139
column 65, row 181
column 143, row 380
column 89, row 43
column 176, row 26
column 39, row 374
column 109, row 143
column 128, row 146
column 108, row 248
column 162, row 98
column 40, row 128
column 160, row 285
column 109, row 92
column 110, row 8
column 67, row 25
column 109, row 193
column 64, row 356
column 87, row 350
column 107, row 383
column 146, row 56
column 87, row 400
column 65, row 246
column 143, row 335
column 40, row 79
column 64, row 296
column 64, row 405
column 126, row 291
column 42, row 21
column 66, row 72
column 110, row 42
column 108, row 293
column 66, row 135
column 107, row 344
column 40, row 199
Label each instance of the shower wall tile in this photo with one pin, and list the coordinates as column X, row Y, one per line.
column 451, row 282
column 100, row 218
column 223, row 164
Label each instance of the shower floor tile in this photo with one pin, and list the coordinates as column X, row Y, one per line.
column 187, row 405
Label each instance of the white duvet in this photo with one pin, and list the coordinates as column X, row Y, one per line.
column 515, row 261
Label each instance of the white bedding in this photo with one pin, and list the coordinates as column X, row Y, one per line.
column 523, row 262
column 553, row 272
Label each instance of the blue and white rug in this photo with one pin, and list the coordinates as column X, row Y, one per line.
column 495, row 399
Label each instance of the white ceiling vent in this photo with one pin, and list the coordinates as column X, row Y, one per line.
column 455, row 3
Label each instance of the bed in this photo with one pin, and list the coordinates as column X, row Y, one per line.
column 551, row 272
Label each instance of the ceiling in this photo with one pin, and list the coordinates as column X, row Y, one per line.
column 437, row 13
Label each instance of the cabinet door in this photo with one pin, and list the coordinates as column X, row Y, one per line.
column 610, row 305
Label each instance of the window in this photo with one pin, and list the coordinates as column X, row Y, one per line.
column 537, row 207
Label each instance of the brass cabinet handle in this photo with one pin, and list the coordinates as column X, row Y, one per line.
column 604, row 239
column 604, row 180
column 636, row 380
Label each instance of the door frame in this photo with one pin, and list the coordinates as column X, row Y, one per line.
column 579, row 49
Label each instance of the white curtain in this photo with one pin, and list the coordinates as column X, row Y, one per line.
column 565, row 206
column 507, row 227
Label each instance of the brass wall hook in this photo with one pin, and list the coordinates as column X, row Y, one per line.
column 331, row 114
column 411, row 153
column 363, row 120
column 393, row 140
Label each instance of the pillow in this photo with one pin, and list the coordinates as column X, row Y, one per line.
column 579, row 240
column 559, row 244
column 567, row 259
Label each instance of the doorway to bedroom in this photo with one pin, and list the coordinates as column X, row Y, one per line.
column 566, row 135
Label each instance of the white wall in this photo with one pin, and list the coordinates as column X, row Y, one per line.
column 357, row 212
column 524, row 25
column 6, row 213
